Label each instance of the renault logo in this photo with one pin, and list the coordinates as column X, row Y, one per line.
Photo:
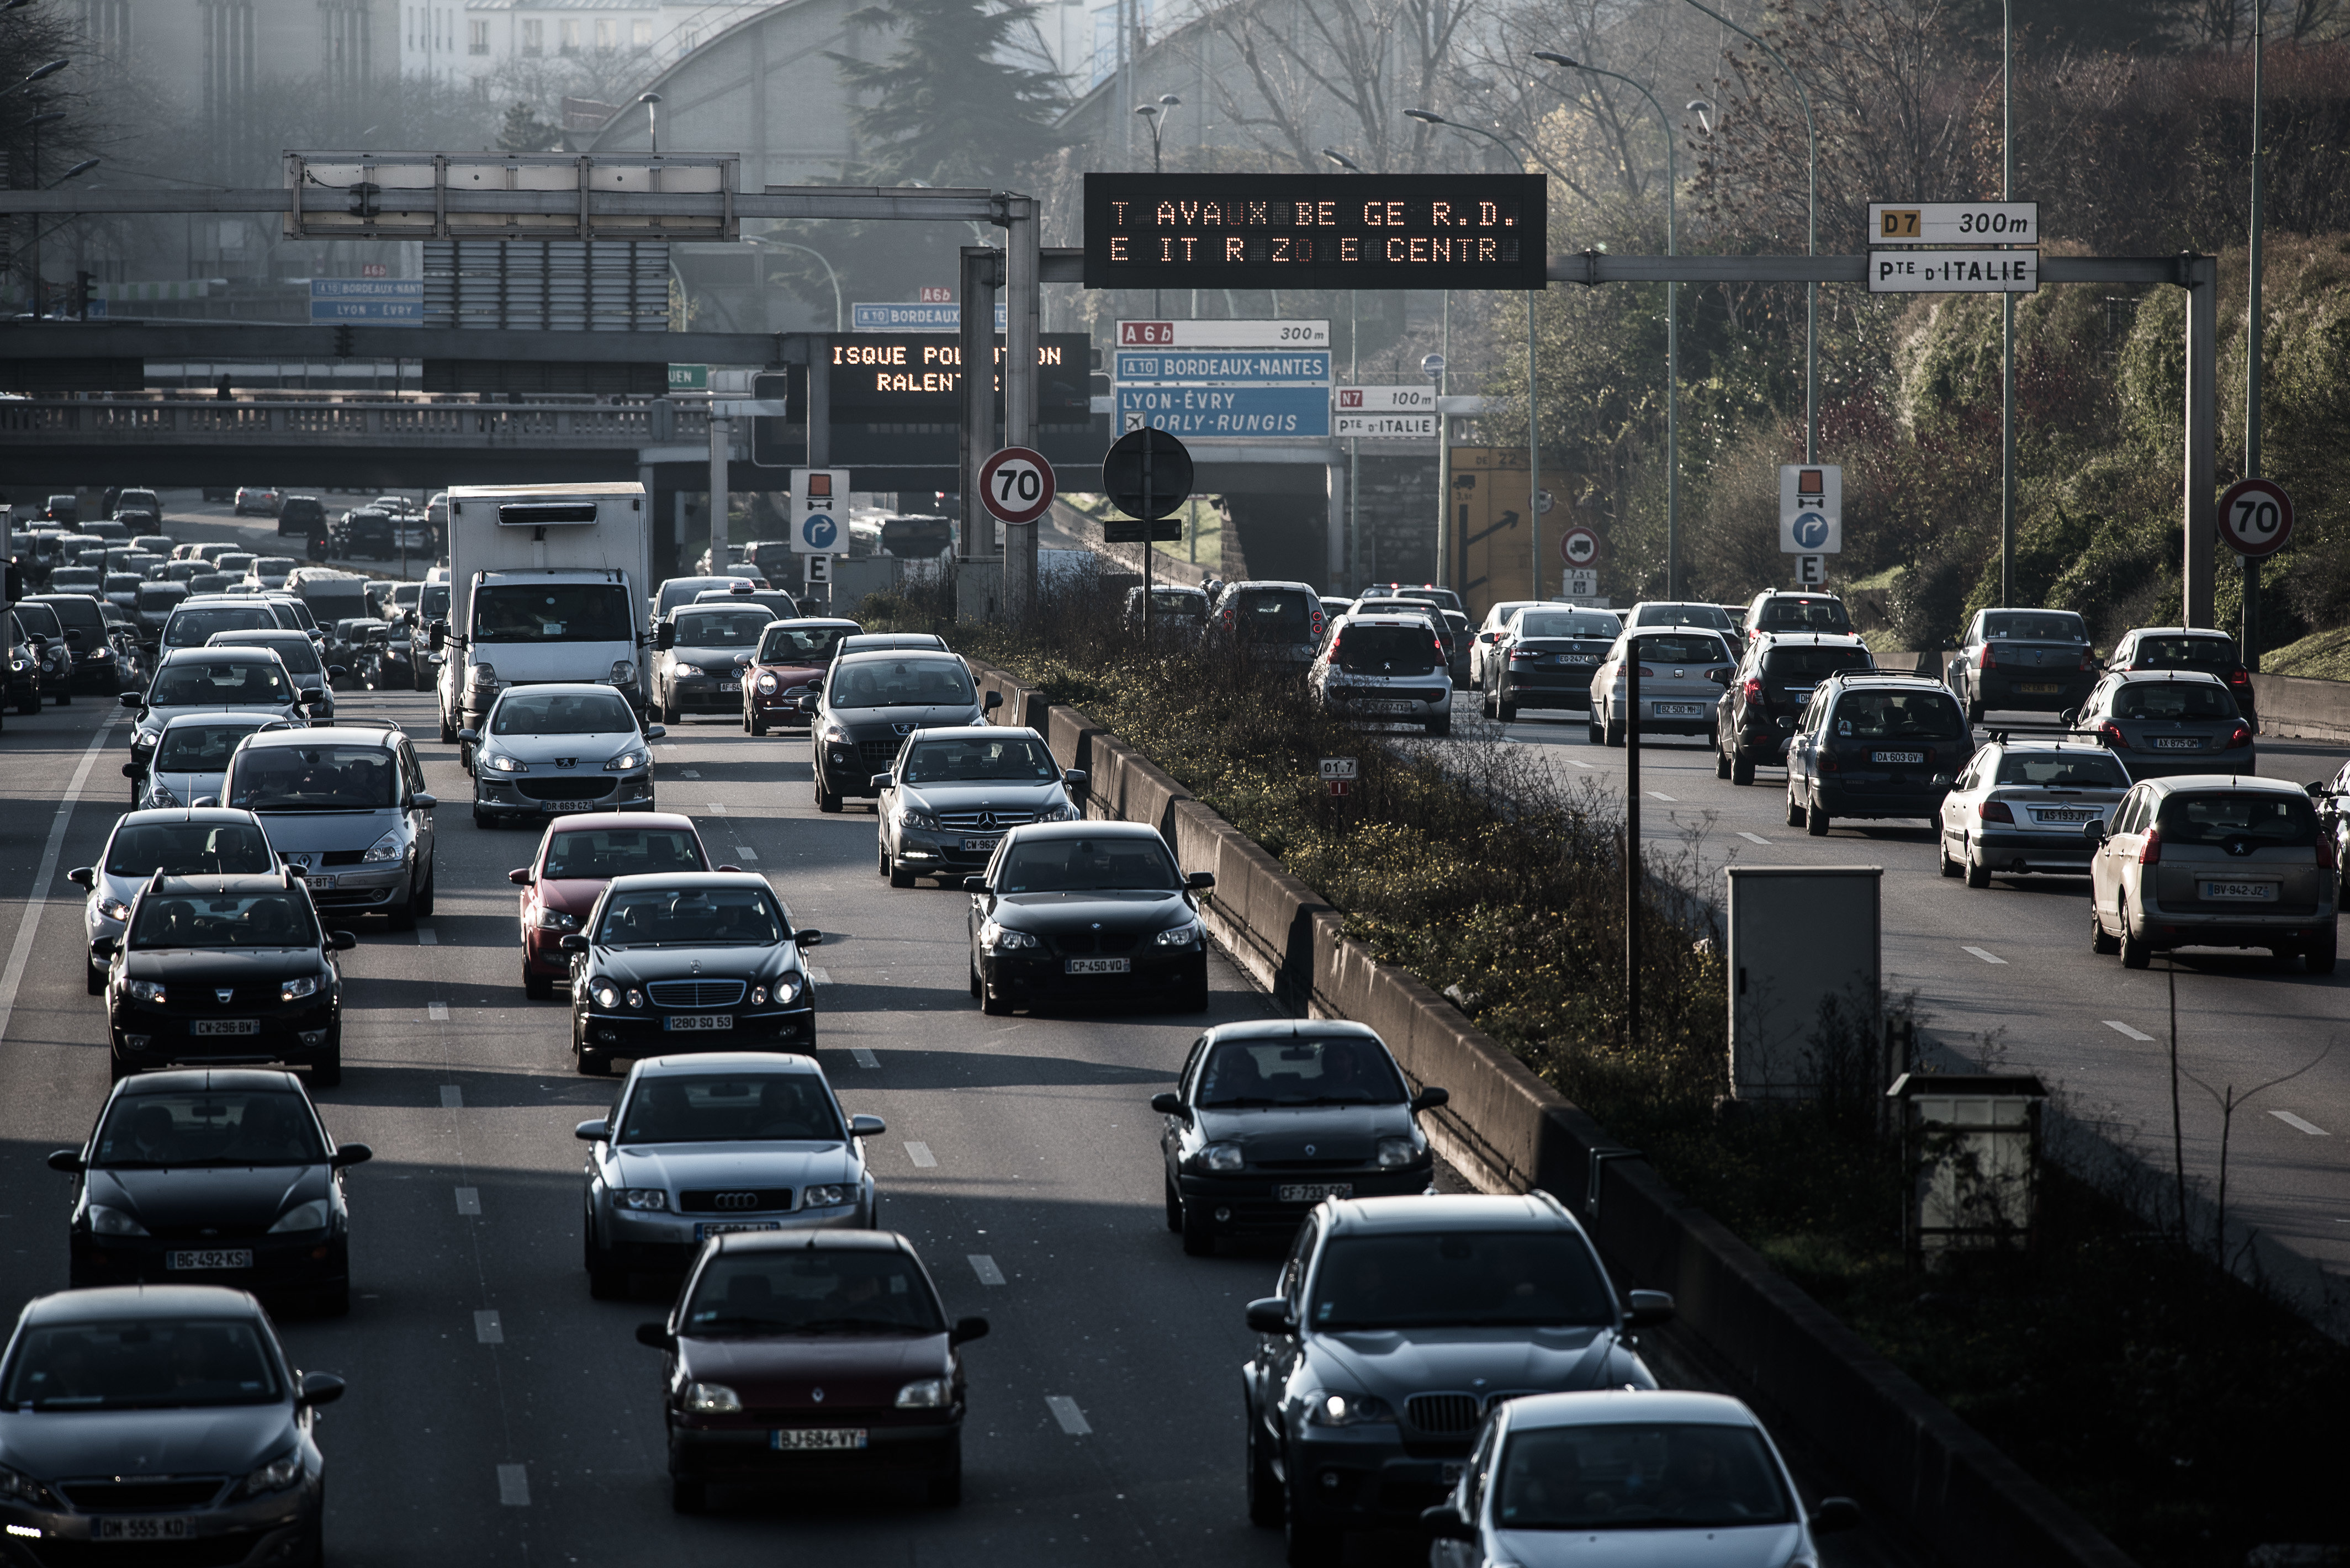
column 737, row 1200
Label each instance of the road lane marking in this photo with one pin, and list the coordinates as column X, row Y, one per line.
column 2118, row 1027
column 1986, row 956
column 1584, row 765
column 513, row 1486
column 452, row 1099
column 717, row 808
column 821, row 976
column 438, row 1011
column 865, row 1057
column 1663, row 797
column 744, row 852
column 426, row 937
column 2294, row 1122
column 984, row 1267
column 487, row 1329
column 1753, row 838
column 689, row 773
column 30, row 923
column 469, row 1200
column 1064, row 1410
column 919, row 1153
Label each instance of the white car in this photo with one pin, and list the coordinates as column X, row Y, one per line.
column 2019, row 806
column 1682, row 672
column 268, row 573
column 1389, row 667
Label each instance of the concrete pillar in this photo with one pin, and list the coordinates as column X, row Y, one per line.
column 2200, row 277
column 1023, row 301
column 1333, row 542
column 721, row 433
column 980, row 274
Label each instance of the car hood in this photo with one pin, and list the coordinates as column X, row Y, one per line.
column 592, row 750
column 1328, row 1132
column 188, row 787
column 871, row 723
column 640, row 966
column 981, row 794
column 1396, row 1365
column 1752, row 1546
column 220, row 967
column 572, row 895
column 226, row 1439
column 855, row 1371
column 679, row 1166
column 793, row 674
column 1056, row 912
column 151, row 722
column 315, row 832
column 232, row 1199
column 717, row 658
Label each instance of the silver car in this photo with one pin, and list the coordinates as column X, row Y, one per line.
column 542, row 751
column 700, row 653
column 953, row 794
column 703, row 1144
column 2213, row 860
column 300, row 655
column 2019, row 806
column 180, row 843
column 1385, row 665
column 194, row 620
column 1682, row 672
column 191, row 757
column 1281, row 622
column 2163, row 722
column 205, row 681
column 347, row 806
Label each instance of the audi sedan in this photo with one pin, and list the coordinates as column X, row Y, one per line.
column 544, row 750
column 956, row 792
column 712, row 1143
column 577, row 857
column 158, row 1424
column 1086, row 911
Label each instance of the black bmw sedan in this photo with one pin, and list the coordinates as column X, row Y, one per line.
column 1086, row 911
column 214, row 1177
column 688, row 961
column 225, row 969
column 145, row 1424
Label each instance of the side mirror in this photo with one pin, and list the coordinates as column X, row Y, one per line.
column 73, row 637
column 66, row 1160
column 351, row 1154
column 2094, row 832
column 1834, row 1514
column 655, row 1336
column 342, row 942
column 440, row 636
column 1786, row 723
column 317, row 702
column 519, row 875
column 203, row 801
column 132, row 769
column 1200, row 880
column 880, row 782
column 1646, row 1309
column 85, row 875
column 595, row 1131
column 867, row 1127
column 1271, row 1315
column 131, row 699
column 319, row 1389
column 574, row 943
column 1076, row 781
column 1167, row 1103
column 1430, row 1098
column 655, row 731
column 991, row 701
column 2066, row 717
column 338, row 672
column 425, row 801
column 102, row 947
column 665, row 636
column 808, row 938
column 469, row 737
column 742, row 659
column 1446, row 1522
column 967, row 1329
column 729, row 868
column 975, row 884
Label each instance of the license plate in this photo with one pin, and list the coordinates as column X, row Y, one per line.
column 2066, row 815
column 817, row 1440
column 978, row 846
column 1896, row 756
column 237, row 1257
column 729, row 686
column 689, row 1022
column 208, row 1028
column 1387, row 705
column 2254, row 892
column 1678, row 710
column 319, row 884
column 710, row 1228
column 1312, row 1191
column 135, row 1528
column 1099, row 966
column 2038, row 687
column 1583, row 658
column 2178, row 743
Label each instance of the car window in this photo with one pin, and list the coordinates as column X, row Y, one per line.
column 1899, row 715
column 1292, row 1283
column 190, row 848
column 561, row 714
column 201, row 749
column 1533, row 623
column 721, row 627
column 154, row 1364
column 813, row 1291
column 1385, row 651
column 200, row 920
column 692, row 916
column 191, row 683
column 800, row 644
column 2266, row 821
column 208, row 1127
column 2213, row 653
column 1272, row 615
column 1681, row 615
column 1476, row 1279
column 773, row 1107
column 552, row 612
column 1019, row 759
column 193, row 626
column 2063, row 770
column 900, row 683
column 1346, row 1071
column 2036, row 628
column 313, row 778
column 1643, row 1476
column 2172, row 700
column 1793, row 664
column 607, row 852
column 1667, row 648
column 1123, row 864
column 39, row 620
column 1803, row 614
column 298, row 654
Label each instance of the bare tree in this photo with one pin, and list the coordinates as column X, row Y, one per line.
column 1315, row 72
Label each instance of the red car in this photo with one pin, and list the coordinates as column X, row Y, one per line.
column 577, row 858
column 792, row 657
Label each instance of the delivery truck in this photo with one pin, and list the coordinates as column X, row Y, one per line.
column 548, row 582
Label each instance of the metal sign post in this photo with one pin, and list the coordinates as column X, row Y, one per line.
column 1811, row 509
column 1147, row 474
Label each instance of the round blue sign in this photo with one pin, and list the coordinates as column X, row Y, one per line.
column 819, row 530
column 1811, row 530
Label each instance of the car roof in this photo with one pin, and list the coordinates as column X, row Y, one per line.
column 1358, row 616
column 340, row 734
column 254, row 636
column 222, row 716
column 1794, row 594
column 180, row 1080
column 557, row 687
column 184, row 655
column 852, row 656
column 975, row 732
column 1307, row 588
column 1889, row 678
column 2180, row 783
column 244, row 882
column 1811, row 639
column 749, row 1063
column 604, row 821
column 108, row 1302
column 186, row 813
column 1294, row 1028
column 2004, row 744
column 882, row 641
column 1451, row 1212
column 1029, row 830
column 2152, row 677
column 813, row 1241
column 682, row 879
column 1612, row 1406
column 2179, row 631
column 814, row 621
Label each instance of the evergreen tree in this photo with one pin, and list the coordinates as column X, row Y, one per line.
column 525, row 132
column 952, row 105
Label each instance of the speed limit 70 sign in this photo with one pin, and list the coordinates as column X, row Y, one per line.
column 1017, row 484
column 2256, row 517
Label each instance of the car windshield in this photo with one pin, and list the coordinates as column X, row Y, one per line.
column 721, row 627
column 604, row 853
column 1803, row 615
column 773, row 1107
column 2043, row 627
column 1175, row 601
column 1665, row 648
column 2264, row 820
column 1016, row 759
column 1346, row 1071
column 200, row 749
column 1458, row 1279
column 681, row 590
column 2062, row 770
column 1899, row 715
column 1386, row 649
column 39, row 620
column 70, row 578
column 313, row 778
column 2173, row 700
column 1551, row 623
column 2184, row 653
column 1638, row 1476
column 1708, row 616
column 1810, row 665
column 800, row 644
column 211, row 1127
column 298, row 654
column 431, row 602
column 1087, row 866
column 812, row 1290
column 161, row 595
column 902, row 683
column 1273, row 615
column 193, row 626
column 219, row 683
column 691, row 918
column 151, row 1364
column 552, row 612
column 562, row 713
column 191, row 848
column 123, row 582
column 199, row 919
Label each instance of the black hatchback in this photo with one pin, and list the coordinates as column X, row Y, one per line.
column 1757, row 711
column 1086, row 911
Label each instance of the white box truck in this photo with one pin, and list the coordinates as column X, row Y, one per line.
column 548, row 582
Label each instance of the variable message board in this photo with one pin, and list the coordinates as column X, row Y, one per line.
column 1315, row 231
column 916, row 377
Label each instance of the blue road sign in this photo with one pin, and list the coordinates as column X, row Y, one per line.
column 819, row 530
column 391, row 300
column 1811, row 530
column 1224, row 366
column 1299, row 413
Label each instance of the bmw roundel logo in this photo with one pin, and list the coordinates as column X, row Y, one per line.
column 1309, row 1151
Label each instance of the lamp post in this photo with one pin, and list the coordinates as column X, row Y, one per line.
column 38, row 73
column 2251, row 565
column 1354, row 444
column 651, row 101
column 1811, row 240
column 1154, row 115
column 46, row 117
column 1534, row 419
column 2007, row 305
column 1672, row 327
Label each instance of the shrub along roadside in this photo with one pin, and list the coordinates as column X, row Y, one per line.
column 2184, row 1415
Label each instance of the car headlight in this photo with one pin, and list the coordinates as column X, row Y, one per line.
column 557, row 921
column 787, row 990
column 767, row 680
column 482, row 677
column 502, row 764
column 106, row 1221
column 1397, row 1152
column 383, row 849
column 1219, row 1156
column 1333, row 1409
column 924, row 1393
column 712, row 1399
column 635, row 997
column 834, row 733
column 623, row 673
column 1183, row 936
column 923, row 820
column 311, row 1216
column 829, row 1197
column 300, row 986
column 644, row 1199
column 607, row 994
column 114, row 909
column 17, row 1484
column 1063, row 812
column 627, row 762
column 147, row 991
column 758, row 996
column 999, row 939
column 160, row 796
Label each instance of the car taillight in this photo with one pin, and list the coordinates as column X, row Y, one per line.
column 1646, row 671
column 1334, row 646
column 2241, row 735
column 1318, row 623
column 2326, row 851
column 1523, row 653
column 2150, row 852
column 2089, row 661
column 1754, row 689
column 1994, row 811
column 1986, row 662
column 2240, row 676
column 2111, row 734
column 1828, row 763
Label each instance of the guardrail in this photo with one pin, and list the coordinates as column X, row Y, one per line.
column 339, row 421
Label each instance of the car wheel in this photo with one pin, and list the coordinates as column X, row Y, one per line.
column 1741, row 771
column 1978, row 871
column 403, row 918
column 586, row 1065
column 1615, row 734
column 94, row 978
column 333, row 1301
column 1439, row 728
column 992, row 1002
column 1794, row 810
column 1815, row 821
column 1720, row 764
column 899, row 876
column 1264, row 1501
column 537, row 987
column 448, row 731
column 944, row 1488
column 1199, row 1234
column 689, row 1494
column 1311, row 1544
column 2136, row 951
column 326, row 1067
column 1597, row 737
column 486, row 821
column 606, row 1282
column 826, row 801
column 1195, row 994
column 1948, row 866
column 1505, row 710
column 974, row 982
column 2100, row 940
column 30, row 705
column 757, row 723
column 1174, row 1205
column 64, row 698
column 670, row 713
column 2319, row 954
column 424, row 900
column 1974, row 713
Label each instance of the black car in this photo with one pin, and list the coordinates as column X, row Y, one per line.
column 871, row 701
column 301, row 516
column 686, row 961
column 1400, row 1322
column 954, row 792
column 1874, row 747
column 2031, row 661
column 155, row 1423
column 1086, row 912
column 213, row 1177
column 1545, row 658
column 96, row 669
column 45, row 634
column 227, row 970
column 1274, row 1117
column 1757, row 709
column 20, row 667
column 364, row 531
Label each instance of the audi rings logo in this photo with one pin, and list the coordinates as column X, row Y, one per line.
column 737, row 1200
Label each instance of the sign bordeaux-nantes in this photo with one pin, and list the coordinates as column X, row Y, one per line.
column 1315, row 231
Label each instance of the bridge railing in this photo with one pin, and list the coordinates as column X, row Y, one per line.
column 335, row 421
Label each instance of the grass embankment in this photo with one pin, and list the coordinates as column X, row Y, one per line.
column 2320, row 656
column 2187, row 1416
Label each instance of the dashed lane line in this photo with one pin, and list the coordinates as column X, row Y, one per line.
column 2294, row 1122
column 1660, row 795
column 513, row 1486
column 1064, row 1410
column 2118, row 1027
column 1753, row 838
column 984, row 1267
column 38, row 897
column 452, row 1099
column 1986, row 955
column 487, row 1330
column 864, row 1056
column 426, row 937
column 438, row 1011
column 919, row 1153
column 469, row 1201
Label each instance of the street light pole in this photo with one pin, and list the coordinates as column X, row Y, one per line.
column 2252, row 608
column 651, row 101
column 2007, row 312
column 1153, row 115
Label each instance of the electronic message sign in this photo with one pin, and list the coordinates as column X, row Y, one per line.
column 916, row 377
column 1316, row 231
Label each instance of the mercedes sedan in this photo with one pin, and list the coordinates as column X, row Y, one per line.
column 1086, row 912
column 954, row 793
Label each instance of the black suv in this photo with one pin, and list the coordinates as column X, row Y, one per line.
column 363, row 531
column 871, row 701
column 1875, row 745
column 1401, row 1322
column 1757, row 711
column 301, row 516
column 1795, row 610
